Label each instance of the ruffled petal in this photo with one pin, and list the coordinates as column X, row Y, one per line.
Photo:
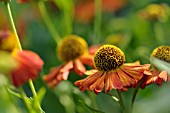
column 98, row 85
column 112, row 82
column 115, row 80
column 85, row 84
column 29, row 66
column 135, row 72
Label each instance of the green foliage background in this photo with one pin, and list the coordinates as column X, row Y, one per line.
column 138, row 44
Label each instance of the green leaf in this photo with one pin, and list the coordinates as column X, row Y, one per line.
column 14, row 93
column 41, row 94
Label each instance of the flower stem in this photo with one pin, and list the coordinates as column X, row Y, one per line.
column 23, row 97
column 13, row 25
column 35, row 95
column 97, row 20
column 48, row 22
column 121, row 101
column 135, row 93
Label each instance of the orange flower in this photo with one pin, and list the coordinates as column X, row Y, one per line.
column 111, row 72
column 84, row 11
column 73, row 52
column 29, row 66
column 159, row 73
column 156, row 77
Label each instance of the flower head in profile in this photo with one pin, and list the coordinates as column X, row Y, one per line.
column 7, row 41
column 29, row 66
column 159, row 59
column 111, row 72
column 73, row 52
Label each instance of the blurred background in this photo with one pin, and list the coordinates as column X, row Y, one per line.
column 136, row 26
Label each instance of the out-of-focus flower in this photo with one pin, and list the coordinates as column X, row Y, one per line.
column 29, row 66
column 160, row 58
column 115, row 39
column 7, row 62
column 8, row 41
column 111, row 72
column 72, row 50
column 84, row 10
column 155, row 12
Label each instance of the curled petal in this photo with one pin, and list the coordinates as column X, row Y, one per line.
column 156, row 77
column 79, row 67
column 57, row 74
column 98, row 85
column 88, row 60
column 85, row 84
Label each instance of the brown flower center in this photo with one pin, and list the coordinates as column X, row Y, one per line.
column 108, row 57
column 162, row 53
column 71, row 47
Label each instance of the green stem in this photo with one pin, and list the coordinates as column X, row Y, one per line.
column 68, row 20
column 121, row 101
column 48, row 22
column 23, row 97
column 13, row 25
column 135, row 93
column 97, row 20
column 35, row 95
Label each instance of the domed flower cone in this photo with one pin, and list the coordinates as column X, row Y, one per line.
column 29, row 66
column 72, row 50
column 159, row 74
column 111, row 72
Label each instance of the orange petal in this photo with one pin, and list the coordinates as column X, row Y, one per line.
column 84, row 84
column 98, row 84
column 91, row 72
column 79, row 67
column 164, row 75
column 125, row 78
column 88, row 60
column 115, row 80
column 67, row 66
column 52, row 74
